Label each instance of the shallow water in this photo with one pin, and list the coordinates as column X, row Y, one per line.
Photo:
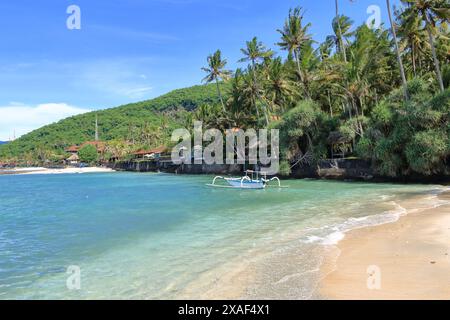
column 149, row 236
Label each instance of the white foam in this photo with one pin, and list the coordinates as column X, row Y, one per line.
column 313, row 239
column 337, row 232
column 333, row 238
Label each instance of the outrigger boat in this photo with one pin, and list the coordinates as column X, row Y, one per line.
column 251, row 180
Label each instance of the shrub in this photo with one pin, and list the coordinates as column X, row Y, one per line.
column 285, row 168
column 427, row 150
column 88, row 154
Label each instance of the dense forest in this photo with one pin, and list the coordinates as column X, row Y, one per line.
column 379, row 93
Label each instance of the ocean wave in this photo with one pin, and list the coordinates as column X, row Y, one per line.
column 334, row 234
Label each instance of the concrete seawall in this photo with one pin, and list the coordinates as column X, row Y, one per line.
column 332, row 169
column 169, row 167
column 327, row 169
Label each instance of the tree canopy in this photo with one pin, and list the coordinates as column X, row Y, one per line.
column 378, row 93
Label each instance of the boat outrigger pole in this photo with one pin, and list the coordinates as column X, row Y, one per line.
column 251, row 180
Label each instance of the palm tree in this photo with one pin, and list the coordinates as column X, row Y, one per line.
column 251, row 93
column 397, row 49
column 339, row 33
column 279, row 88
column 326, row 47
column 118, row 148
column 342, row 29
column 431, row 11
column 217, row 72
column 254, row 52
column 328, row 85
column 412, row 36
column 294, row 36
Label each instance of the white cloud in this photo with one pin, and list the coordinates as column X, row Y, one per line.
column 24, row 118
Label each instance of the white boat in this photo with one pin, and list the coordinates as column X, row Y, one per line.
column 251, row 180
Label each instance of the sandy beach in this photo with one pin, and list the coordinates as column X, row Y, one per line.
column 408, row 259
column 69, row 170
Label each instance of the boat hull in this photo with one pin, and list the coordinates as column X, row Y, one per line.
column 246, row 184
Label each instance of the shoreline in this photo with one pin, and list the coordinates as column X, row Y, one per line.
column 411, row 250
column 405, row 259
column 41, row 170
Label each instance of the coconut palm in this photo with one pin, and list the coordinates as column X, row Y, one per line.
column 397, row 49
column 342, row 29
column 118, row 149
column 254, row 52
column 235, row 92
column 293, row 36
column 328, row 87
column 326, row 47
column 431, row 12
column 240, row 112
column 251, row 93
column 339, row 31
column 216, row 72
column 279, row 88
column 412, row 36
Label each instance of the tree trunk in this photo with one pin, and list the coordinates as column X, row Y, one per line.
column 341, row 41
column 220, row 95
column 394, row 34
column 257, row 93
column 299, row 69
column 297, row 59
column 329, row 103
column 420, row 66
column 433, row 51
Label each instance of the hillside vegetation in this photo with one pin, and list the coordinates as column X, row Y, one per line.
column 145, row 123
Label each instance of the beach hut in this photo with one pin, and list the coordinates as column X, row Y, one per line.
column 73, row 159
column 339, row 144
column 150, row 154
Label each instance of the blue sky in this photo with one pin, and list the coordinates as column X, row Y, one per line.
column 129, row 50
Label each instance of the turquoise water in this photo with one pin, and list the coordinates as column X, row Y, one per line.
column 150, row 236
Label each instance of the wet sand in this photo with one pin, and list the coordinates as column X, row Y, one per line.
column 408, row 259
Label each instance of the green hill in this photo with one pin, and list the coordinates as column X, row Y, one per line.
column 154, row 117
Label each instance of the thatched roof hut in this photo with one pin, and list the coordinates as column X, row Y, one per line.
column 73, row 158
column 339, row 144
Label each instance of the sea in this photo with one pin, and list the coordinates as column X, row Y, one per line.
column 162, row 236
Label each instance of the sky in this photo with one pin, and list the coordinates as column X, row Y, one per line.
column 130, row 50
